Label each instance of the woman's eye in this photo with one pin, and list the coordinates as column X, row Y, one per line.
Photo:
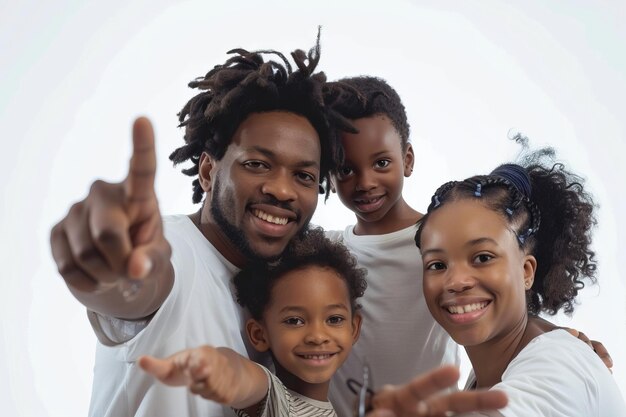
column 382, row 163
column 482, row 258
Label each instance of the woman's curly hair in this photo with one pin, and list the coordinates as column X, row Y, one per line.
column 554, row 223
column 246, row 84
column 254, row 283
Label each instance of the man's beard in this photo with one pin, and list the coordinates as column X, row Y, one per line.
column 236, row 236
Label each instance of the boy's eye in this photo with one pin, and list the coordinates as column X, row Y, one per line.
column 293, row 321
column 382, row 163
column 344, row 172
column 436, row 265
column 336, row 320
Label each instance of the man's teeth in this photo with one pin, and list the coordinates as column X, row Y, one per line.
column 318, row 357
column 466, row 308
column 269, row 218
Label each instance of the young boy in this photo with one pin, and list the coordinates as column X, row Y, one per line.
column 303, row 311
column 399, row 338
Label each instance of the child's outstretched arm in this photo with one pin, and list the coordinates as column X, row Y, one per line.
column 217, row 374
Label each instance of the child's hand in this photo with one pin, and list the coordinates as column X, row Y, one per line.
column 206, row 370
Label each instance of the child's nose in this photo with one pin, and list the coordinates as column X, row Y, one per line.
column 316, row 334
column 366, row 181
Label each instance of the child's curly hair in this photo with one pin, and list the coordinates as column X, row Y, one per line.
column 255, row 282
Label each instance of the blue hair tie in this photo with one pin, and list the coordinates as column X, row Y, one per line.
column 516, row 175
column 522, row 238
column 437, row 202
column 478, row 192
column 509, row 211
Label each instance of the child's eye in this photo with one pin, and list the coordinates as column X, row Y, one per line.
column 344, row 172
column 436, row 265
column 382, row 163
column 482, row 258
column 293, row 321
column 336, row 320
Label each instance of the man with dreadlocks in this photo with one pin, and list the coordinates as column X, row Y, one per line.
column 258, row 137
column 260, row 142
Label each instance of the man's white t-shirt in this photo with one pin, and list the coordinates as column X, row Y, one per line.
column 399, row 338
column 200, row 309
column 557, row 375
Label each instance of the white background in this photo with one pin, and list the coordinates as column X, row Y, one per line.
column 75, row 74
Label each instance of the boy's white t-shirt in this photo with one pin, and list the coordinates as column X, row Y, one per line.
column 200, row 309
column 557, row 375
column 399, row 338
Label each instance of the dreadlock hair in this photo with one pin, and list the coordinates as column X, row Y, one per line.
column 254, row 283
column 366, row 96
column 560, row 243
column 247, row 84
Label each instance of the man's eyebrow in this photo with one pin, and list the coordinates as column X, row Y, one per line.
column 271, row 154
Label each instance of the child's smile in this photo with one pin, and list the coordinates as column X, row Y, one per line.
column 310, row 328
column 371, row 180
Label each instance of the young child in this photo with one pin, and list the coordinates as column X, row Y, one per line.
column 498, row 250
column 303, row 311
column 399, row 338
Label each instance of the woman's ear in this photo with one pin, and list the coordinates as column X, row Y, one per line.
column 530, row 266
column 257, row 335
column 409, row 160
column 205, row 168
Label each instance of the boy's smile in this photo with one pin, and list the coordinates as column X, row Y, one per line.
column 371, row 179
column 309, row 328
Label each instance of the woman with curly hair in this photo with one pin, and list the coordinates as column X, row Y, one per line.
column 499, row 249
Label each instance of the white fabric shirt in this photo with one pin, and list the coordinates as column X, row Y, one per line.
column 200, row 309
column 399, row 338
column 557, row 375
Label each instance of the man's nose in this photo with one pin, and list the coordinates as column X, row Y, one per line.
column 281, row 186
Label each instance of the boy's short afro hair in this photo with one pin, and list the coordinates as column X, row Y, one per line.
column 366, row 96
column 254, row 283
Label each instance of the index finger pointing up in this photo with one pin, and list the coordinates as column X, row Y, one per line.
column 139, row 185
